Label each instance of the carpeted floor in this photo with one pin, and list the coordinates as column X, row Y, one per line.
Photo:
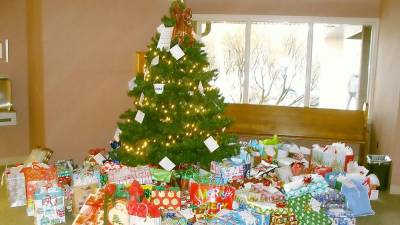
column 387, row 210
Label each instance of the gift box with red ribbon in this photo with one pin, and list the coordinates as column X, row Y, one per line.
column 89, row 213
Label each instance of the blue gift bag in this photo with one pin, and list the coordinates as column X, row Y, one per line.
column 357, row 199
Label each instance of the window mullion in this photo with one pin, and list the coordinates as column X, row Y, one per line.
column 307, row 91
column 247, row 63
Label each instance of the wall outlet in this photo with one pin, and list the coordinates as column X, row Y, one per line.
column 4, row 50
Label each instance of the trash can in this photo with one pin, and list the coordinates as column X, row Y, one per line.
column 380, row 166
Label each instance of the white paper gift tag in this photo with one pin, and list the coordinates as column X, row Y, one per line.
column 116, row 134
column 177, row 52
column 160, row 28
column 155, row 61
column 99, row 158
column 132, row 84
column 315, row 205
column 165, row 38
column 187, row 213
column 167, row 164
column 159, row 88
column 211, row 144
column 201, row 88
column 139, row 116
column 141, row 98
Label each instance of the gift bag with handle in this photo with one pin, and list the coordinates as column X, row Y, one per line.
column 36, row 176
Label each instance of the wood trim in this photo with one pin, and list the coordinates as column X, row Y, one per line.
column 297, row 123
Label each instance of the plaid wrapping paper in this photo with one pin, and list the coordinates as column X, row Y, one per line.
column 305, row 214
column 127, row 175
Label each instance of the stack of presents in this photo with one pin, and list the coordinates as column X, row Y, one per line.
column 267, row 183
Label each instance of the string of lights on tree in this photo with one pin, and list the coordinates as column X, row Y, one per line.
column 178, row 118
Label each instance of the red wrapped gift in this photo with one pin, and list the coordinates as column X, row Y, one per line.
column 297, row 168
column 217, row 197
column 167, row 198
column 322, row 170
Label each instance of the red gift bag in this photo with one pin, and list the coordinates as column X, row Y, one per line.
column 215, row 196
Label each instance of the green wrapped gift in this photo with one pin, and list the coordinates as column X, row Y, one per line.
column 305, row 213
column 160, row 175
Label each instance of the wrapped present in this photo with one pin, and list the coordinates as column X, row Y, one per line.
column 322, row 170
column 91, row 211
column 230, row 170
column 37, row 175
column 165, row 198
column 310, row 184
column 337, row 156
column 307, row 211
column 64, row 172
column 330, row 198
column 268, row 193
column 340, row 216
column 93, row 158
column 85, row 176
column 39, row 155
column 283, row 216
column 160, row 175
column 216, row 197
column 297, row 168
column 49, row 206
column 15, row 186
column 227, row 217
column 80, row 195
column 126, row 175
column 143, row 213
column 118, row 213
column 185, row 175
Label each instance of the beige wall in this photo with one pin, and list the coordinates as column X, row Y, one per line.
column 337, row 8
column 14, row 140
column 88, row 59
column 386, row 112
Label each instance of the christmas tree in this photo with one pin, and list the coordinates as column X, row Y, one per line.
column 177, row 113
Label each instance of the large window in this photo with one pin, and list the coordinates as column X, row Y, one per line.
column 296, row 63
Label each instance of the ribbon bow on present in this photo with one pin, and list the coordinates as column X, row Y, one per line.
column 143, row 209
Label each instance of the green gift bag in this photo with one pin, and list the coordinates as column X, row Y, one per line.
column 160, row 175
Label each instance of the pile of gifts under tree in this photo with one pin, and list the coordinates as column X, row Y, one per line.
column 267, row 183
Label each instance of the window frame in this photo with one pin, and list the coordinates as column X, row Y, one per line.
column 310, row 20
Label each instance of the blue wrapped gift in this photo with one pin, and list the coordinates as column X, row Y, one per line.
column 340, row 216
